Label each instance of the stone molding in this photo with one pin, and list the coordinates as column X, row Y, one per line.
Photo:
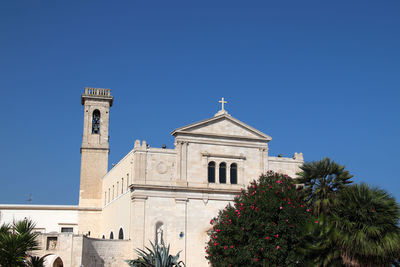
column 134, row 187
column 47, row 207
column 206, row 154
column 186, row 129
column 219, row 136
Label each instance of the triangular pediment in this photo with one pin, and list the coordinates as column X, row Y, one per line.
column 222, row 125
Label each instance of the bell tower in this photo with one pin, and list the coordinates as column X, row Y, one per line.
column 95, row 147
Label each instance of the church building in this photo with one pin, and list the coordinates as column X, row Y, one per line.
column 151, row 194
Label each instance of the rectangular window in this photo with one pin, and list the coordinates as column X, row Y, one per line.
column 113, row 192
column 109, row 199
column 117, row 189
column 127, row 181
column 122, row 185
column 67, row 229
column 105, row 198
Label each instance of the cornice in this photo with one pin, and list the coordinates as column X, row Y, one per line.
column 184, row 189
column 46, row 207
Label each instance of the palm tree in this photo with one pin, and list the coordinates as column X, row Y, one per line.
column 318, row 244
column 366, row 220
column 15, row 241
column 322, row 180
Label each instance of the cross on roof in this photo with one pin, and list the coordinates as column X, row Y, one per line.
column 222, row 101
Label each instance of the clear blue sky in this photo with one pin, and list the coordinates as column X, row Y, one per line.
column 320, row 77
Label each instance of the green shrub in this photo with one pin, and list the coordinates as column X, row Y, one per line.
column 262, row 228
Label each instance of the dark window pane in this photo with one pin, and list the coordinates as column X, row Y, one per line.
column 67, row 229
column 233, row 173
column 222, row 173
column 96, row 122
column 111, row 235
column 211, row 172
column 121, row 234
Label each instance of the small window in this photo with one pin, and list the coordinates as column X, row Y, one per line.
column 122, row 185
column 113, row 192
column 211, row 172
column 121, row 234
column 103, row 237
column 117, row 189
column 222, row 173
column 109, row 199
column 96, row 122
column 111, row 235
column 67, row 230
column 127, row 181
column 233, row 173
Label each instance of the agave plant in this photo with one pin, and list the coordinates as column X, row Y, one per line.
column 158, row 256
column 35, row 261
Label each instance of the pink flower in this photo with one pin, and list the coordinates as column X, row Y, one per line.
column 276, row 235
column 218, row 230
column 277, row 247
column 231, row 246
column 225, row 247
column 316, row 221
column 281, row 208
column 211, row 222
column 267, row 237
column 279, row 182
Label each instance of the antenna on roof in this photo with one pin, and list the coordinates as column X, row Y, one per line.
column 30, row 199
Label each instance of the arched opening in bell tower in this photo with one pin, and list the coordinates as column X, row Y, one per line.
column 96, row 122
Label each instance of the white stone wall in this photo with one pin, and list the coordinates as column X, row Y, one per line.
column 116, row 215
column 105, row 253
column 47, row 218
column 185, row 216
column 288, row 166
column 116, row 182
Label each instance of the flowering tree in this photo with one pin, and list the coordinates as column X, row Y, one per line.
column 263, row 227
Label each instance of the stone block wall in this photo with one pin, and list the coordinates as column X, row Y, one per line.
column 105, row 253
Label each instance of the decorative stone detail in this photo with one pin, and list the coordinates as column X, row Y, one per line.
column 162, row 168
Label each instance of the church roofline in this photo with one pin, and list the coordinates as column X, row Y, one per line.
column 184, row 129
column 45, row 207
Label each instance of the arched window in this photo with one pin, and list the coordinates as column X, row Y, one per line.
column 233, row 173
column 111, row 235
column 211, row 172
column 121, row 234
column 222, row 173
column 103, row 237
column 96, row 122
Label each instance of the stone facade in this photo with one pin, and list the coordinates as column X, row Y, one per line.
column 160, row 193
